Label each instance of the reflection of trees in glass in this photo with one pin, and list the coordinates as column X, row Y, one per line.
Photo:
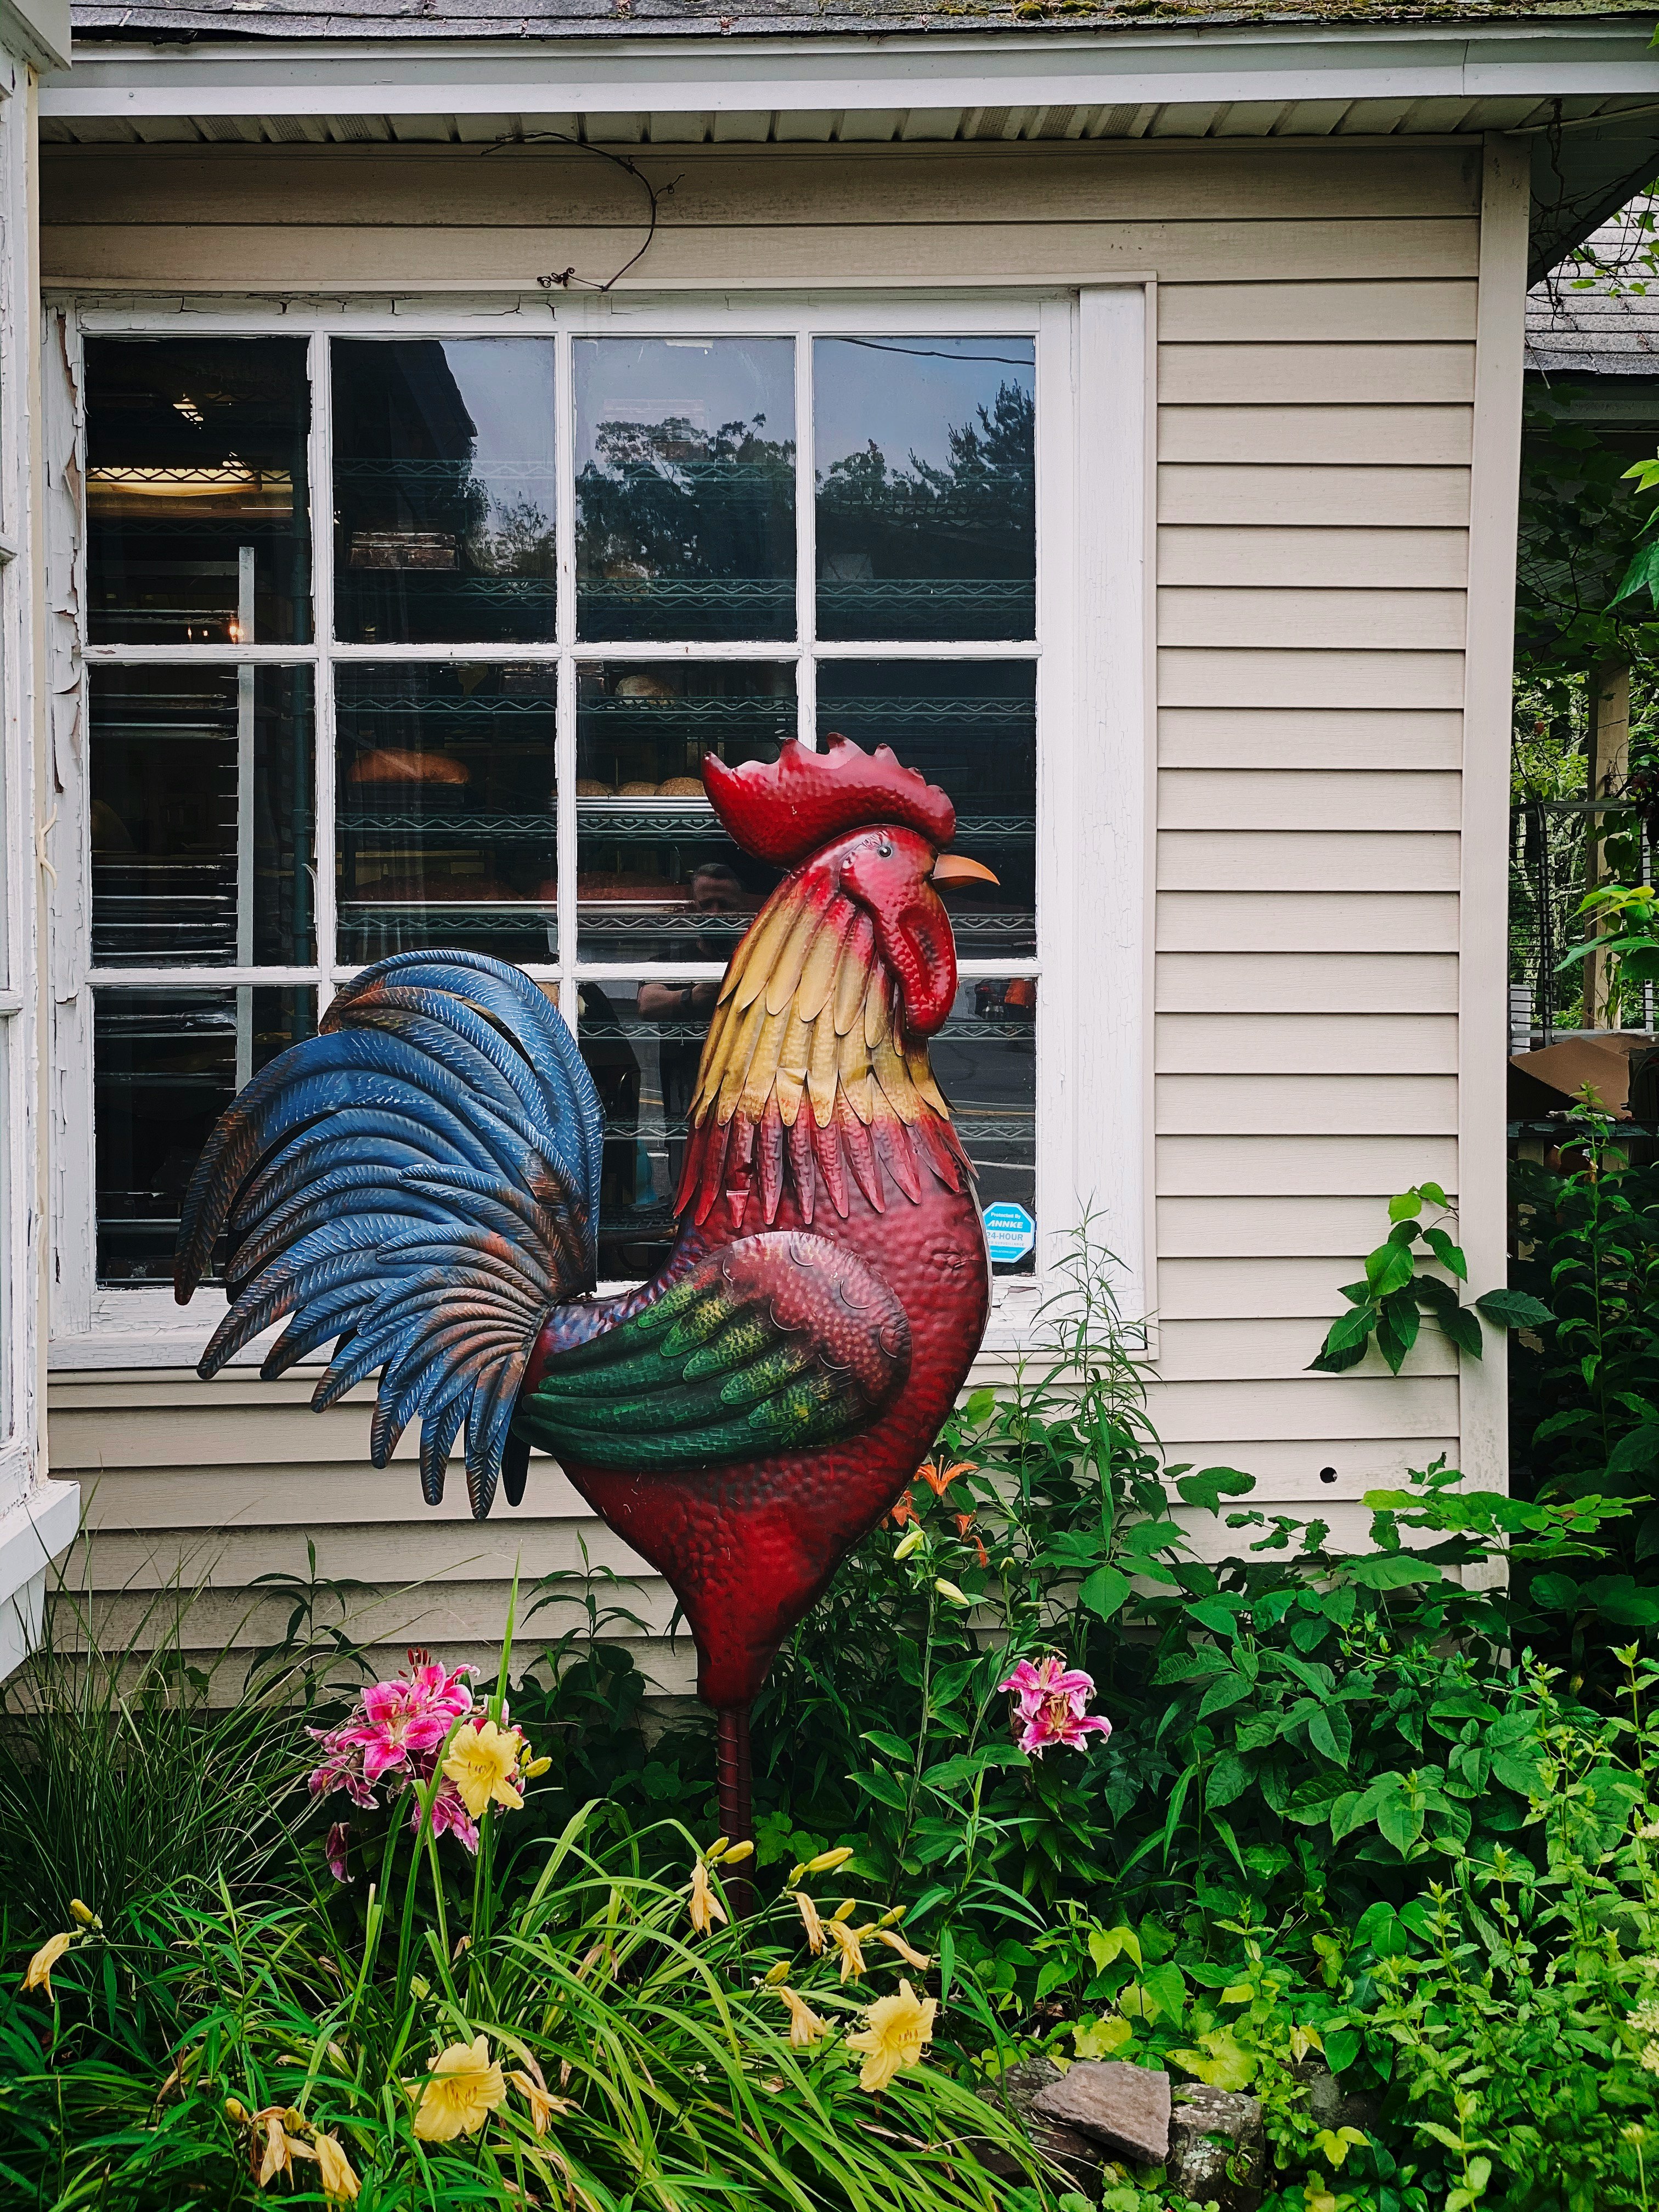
column 973, row 517
column 507, row 537
column 668, row 499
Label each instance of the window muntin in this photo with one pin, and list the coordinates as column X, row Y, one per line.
column 620, row 892
column 197, row 505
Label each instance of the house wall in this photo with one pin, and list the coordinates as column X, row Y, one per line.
column 1317, row 315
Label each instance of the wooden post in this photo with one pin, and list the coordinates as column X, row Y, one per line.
column 1607, row 745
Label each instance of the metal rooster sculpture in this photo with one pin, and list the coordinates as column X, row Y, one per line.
column 418, row 1184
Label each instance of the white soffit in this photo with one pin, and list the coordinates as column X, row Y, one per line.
column 1245, row 81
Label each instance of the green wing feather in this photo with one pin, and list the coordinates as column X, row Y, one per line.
column 783, row 1341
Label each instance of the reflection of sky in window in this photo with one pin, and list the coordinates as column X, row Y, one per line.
column 507, row 387
column 906, row 393
column 701, row 382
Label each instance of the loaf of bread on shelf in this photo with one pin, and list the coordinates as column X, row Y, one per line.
column 637, row 790
column 681, row 786
column 589, row 786
column 645, row 687
column 393, row 764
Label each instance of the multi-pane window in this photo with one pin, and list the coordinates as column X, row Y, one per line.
column 403, row 642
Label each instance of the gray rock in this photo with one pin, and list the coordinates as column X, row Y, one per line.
column 1125, row 2107
column 1016, row 2091
column 1217, row 2148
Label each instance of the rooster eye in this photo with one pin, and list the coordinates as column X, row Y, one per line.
column 884, row 850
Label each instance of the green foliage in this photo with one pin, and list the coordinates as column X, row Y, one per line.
column 1585, row 514
column 150, row 2078
column 1397, row 1292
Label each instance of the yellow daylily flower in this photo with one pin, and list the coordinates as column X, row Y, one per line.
column 463, row 2088
column 39, row 1976
column 897, row 2031
column 919, row 1960
column 480, row 1763
column 334, row 2168
column 704, row 1907
column 809, row 1913
column 850, row 1942
column 804, row 2025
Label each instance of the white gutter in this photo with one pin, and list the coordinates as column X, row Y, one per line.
column 696, row 74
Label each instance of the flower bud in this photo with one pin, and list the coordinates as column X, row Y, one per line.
column 951, row 1594
column 236, row 2111
column 714, row 1849
column 912, row 1542
column 826, row 1862
column 795, row 1874
column 84, row 1914
column 779, row 1973
column 537, row 1766
column 846, row 1909
column 734, row 1852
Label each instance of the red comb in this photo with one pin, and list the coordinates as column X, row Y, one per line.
column 783, row 812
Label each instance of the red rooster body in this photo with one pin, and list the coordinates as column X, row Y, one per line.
column 419, row 1183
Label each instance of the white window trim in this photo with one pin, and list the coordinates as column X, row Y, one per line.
column 1092, row 654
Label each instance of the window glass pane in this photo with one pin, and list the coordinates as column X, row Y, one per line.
column 685, row 488
column 201, row 827
column 657, row 877
column 443, row 490
column 166, row 1064
column 198, row 510
column 444, row 808
column 926, row 486
column 985, row 1058
column 969, row 726
column 642, row 1039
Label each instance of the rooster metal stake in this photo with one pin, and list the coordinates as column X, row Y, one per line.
column 418, row 1183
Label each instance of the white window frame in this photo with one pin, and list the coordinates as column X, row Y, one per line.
column 1092, row 654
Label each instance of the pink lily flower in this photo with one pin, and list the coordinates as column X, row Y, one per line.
column 1053, row 1699
column 334, row 1849
column 406, row 1716
column 449, row 1817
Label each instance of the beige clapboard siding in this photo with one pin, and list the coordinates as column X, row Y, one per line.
column 1295, row 495
column 1316, row 308
column 1269, row 613
column 1354, row 311
column 1241, row 677
column 1368, row 437
column 1303, row 737
column 1257, row 1350
column 1300, row 1289
column 1315, row 799
column 1287, row 375
column 1226, row 1166
column 1306, row 860
column 1225, row 1227
column 1283, row 922
column 1319, row 982
column 1417, row 561
column 1304, row 1044
column 1309, row 1105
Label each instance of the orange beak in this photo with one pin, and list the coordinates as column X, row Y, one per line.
column 957, row 868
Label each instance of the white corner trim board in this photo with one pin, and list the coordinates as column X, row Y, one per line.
column 32, row 1532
